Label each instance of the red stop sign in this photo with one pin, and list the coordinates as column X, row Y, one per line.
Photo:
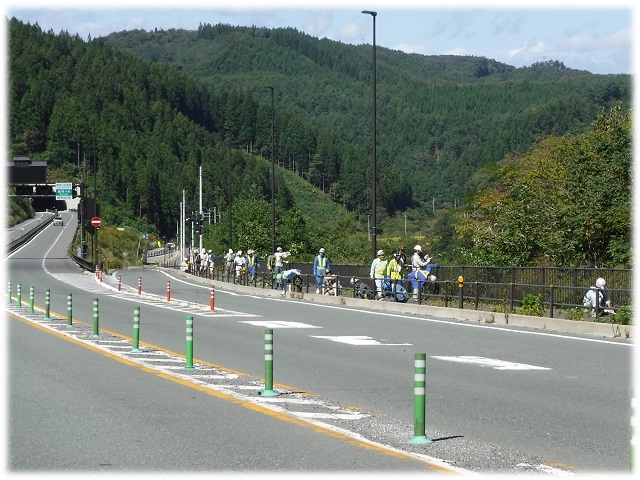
column 95, row 221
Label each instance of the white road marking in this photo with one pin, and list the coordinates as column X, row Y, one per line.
column 331, row 416
column 278, row 324
column 360, row 340
column 491, row 363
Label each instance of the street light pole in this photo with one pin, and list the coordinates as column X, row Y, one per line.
column 230, row 210
column 200, row 217
column 273, row 176
column 373, row 134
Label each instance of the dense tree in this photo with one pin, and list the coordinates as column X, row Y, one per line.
column 566, row 202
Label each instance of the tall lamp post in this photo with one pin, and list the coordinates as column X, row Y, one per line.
column 230, row 214
column 273, row 176
column 373, row 134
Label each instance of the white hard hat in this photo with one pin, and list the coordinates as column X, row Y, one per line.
column 321, row 250
column 418, row 248
column 231, row 250
column 250, row 252
column 209, row 251
column 239, row 252
column 380, row 252
column 600, row 282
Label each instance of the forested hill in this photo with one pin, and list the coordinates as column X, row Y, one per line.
column 447, row 129
column 439, row 118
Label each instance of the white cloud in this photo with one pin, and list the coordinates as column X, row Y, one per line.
column 354, row 31
column 591, row 42
column 318, row 23
column 412, row 48
column 457, row 51
column 536, row 48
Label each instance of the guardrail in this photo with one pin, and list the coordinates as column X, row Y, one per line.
column 505, row 297
column 24, row 239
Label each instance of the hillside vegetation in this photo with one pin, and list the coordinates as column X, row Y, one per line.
column 151, row 108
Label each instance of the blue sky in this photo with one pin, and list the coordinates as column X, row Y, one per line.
column 593, row 36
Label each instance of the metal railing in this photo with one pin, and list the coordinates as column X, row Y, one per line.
column 499, row 296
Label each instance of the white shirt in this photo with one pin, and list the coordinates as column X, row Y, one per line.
column 279, row 256
column 239, row 262
column 417, row 262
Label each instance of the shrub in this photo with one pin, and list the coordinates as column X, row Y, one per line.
column 531, row 305
column 623, row 317
column 577, row 314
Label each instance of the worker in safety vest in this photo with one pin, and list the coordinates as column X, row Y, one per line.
column 320, row 266
column 378, row 273
column 251, row 262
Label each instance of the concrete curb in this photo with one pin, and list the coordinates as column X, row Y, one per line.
column 595, row 329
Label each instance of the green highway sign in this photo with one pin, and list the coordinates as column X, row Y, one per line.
column 64, row 191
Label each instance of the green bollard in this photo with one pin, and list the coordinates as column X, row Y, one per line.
column 47, row 303
column 136, row 331
column 10, row 298
column 69, row 316
column 32, row 295
column 189, row 365
column 419, row 388
column 19, row 292
column 96, row 319
column 268, row 365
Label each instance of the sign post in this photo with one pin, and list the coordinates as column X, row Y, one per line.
column 64, row 191
column 95, row 223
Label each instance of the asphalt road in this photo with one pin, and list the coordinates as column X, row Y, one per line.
column 499, row 399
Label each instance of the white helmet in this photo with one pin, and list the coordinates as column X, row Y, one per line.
column 250, row 252
column 239, row 252
column 231, row 250
column 380, row 252
column 600, row 283
column 321, row 250
column 418, row 248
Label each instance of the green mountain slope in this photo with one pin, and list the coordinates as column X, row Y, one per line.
column 444, row 124
column 439, row 118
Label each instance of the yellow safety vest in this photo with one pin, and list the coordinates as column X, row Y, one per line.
column 381, row 267
column 394, row 269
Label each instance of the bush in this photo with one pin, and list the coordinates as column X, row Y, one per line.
column 531, row 305
column 623, row 317
column 577, row 314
